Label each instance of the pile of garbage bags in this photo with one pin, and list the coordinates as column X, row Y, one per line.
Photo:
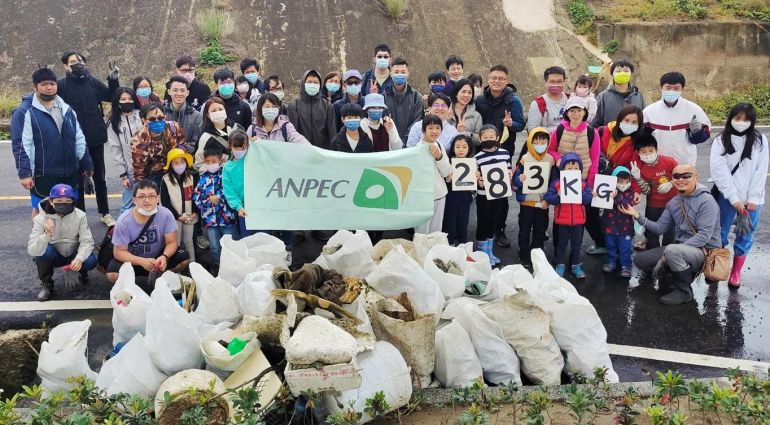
column 359, row 319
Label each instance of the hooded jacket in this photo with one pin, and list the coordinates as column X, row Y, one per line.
column 313, row 116
column 611, row 101
column 568, row 214
column 238, row 110
column 492, row 111
column 531, row 156
column 120, row 144
column 703, row 214
column 71, row 233
column 748, row 182
column 404, row 108
column 39, row 148
column 191, row 121
column 292, row 135
column 85, row 96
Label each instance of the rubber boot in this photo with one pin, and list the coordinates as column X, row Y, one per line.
column 491, row 246
column 45, row 272
column 483, row 246
column 682, row 284
column 735, row 274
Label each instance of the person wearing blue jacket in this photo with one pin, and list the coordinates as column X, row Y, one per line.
column 48, row 145
column 377, row 79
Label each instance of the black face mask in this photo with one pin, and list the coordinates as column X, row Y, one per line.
column 46, row 97
column 488, row 144
column 78, row 69
column 126, row 106
column 64, row 209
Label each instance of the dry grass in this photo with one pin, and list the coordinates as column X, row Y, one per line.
column 683, row 10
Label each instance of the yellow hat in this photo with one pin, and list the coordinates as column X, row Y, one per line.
column 177, row 153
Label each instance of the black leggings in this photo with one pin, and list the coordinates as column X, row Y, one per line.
column 490, row 214
column 100, row 184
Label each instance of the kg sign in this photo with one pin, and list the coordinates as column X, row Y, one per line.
column 299, row 187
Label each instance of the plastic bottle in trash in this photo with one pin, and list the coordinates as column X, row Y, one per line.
column 123, row 299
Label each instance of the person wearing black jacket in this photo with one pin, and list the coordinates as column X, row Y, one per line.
column 199, row 93
column 84, row 93
column 351, row 138
column 238, row 110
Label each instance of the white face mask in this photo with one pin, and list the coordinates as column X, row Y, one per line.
column 279, row 94
column 740, row 126
column 218, row 116
column 539, row 148
column 243, row 88
column 649, row 159
column 623, row 186
column 627, row 128
column 145, row 212
column 238, row 154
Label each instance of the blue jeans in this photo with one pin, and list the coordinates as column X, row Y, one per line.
column 572, row 237
column 727, row 213
column 215, row 233
column 127, row 200
column 622, row 245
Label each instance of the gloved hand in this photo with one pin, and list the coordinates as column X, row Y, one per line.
column 89, row 187
column 114, row 71
column 743, row 225
column 695, row 125
column 635, row 171
column 665, row 188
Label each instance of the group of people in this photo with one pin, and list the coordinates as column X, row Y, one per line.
column 182, row 173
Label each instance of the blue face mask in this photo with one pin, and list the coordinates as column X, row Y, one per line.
column 227, row 89
column 437, row 88
column 374, row 115
column 671, row 96
column 157, row 126
column 252, row 77
column 312, row 88
column 399, row 79
column 353, row 124
column 354, row 89
column 332, row 87
column 382, row 63
column 144, row 91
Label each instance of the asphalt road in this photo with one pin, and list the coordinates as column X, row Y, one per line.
column 721, row 322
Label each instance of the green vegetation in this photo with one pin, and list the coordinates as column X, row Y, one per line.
column 611, row 47
column 581, row 15
column 212, row 24
column 394, row 8
column 8, row 102
column 684, row 10
column 717, row 108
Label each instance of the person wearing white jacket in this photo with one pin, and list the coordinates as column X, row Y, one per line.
column 431, row 130
column 739, row 163
column 123, row 126
column 380, row 128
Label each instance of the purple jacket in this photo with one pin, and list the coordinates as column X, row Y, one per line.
column 615, row 222
column 291, row 133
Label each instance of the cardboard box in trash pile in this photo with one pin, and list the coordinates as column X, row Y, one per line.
column 340, row 377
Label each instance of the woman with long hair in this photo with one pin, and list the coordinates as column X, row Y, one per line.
column 124, row 125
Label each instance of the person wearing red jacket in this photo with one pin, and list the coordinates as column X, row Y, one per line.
column 653, row 174
column 569, row 218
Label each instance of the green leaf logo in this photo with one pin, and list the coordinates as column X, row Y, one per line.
column 382, row 187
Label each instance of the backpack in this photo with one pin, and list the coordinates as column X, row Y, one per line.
column 541, row 106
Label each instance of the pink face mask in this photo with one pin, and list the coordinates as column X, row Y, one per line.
column 555, row 89
column 582, row 91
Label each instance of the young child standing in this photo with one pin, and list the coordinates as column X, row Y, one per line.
column 432, row 126
column 209, row 196
column 489, row 212
column 570, row 219
column 533, row 209
column 619, row 227
column 176, row 192
column 458, row 203
column 232, row 179
column 583, row 87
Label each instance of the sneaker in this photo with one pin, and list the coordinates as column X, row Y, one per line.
column 608, row 268
column 577, row 271
column 625, row 272
column 596, row 250
column 107, row 220
column 560, row 269
column 202, row 242
column 502, row 239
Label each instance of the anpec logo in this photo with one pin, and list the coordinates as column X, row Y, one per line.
column 382, row 187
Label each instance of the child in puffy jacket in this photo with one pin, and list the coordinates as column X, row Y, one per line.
column 569, row 218
column 619, row 227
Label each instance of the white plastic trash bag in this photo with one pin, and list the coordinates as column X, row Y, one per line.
column 349, row 254
column 545, row 276
column 383, row 247
column 216, row 297
column 451, row 267
column 234, row 263
column 423, row 243
column 254, row 294
column 456, row 362
column 316, row 339
column 131, row 371
column 498, row 360
column 266, row 249
column 398, row 273
column 129, row 306
column 63, row 356
column 219, row 358
column 172, row 334
column 526, row 326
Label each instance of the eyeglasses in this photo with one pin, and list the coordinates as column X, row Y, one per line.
column 146, row 197
column 498, row 78
column 681, row 176
column 153, row 119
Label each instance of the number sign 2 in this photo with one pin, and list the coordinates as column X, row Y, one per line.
column 497, row 182
column 537, row 174
column 463, row 174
